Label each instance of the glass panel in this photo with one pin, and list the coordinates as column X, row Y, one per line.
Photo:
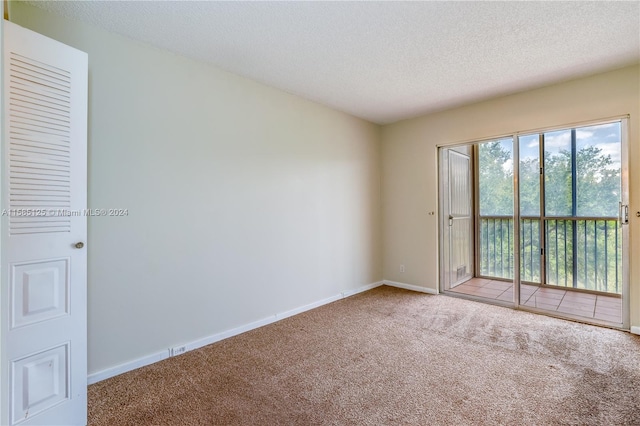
column 599, row 255
column 529, row 175
column 496, row 208
column 557, row 173
column 530, row 250
column 496, row 177
column 496, row 247
column 559, row 252
column 598, row 170
column 529, row 206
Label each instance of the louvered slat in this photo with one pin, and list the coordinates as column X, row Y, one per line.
column 39, row 156
column 32, row 90
column 17, row 134
column 23, row 104
column 34, row 120
column 56, row 82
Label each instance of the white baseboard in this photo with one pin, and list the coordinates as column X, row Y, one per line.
column 635, row 330
column 361, row 289
column 410, row 287
column 159, row 356
column 127, row 366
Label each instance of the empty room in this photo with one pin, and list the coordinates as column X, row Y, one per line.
column 306, row 213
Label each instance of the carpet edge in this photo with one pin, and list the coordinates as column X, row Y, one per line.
column 195, row 344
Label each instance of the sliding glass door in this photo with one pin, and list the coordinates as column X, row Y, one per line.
column 571, row 200
column 550, row 221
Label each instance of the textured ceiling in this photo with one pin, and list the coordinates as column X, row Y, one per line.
column 384, row 61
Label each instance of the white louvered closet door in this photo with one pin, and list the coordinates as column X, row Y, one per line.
column 44, row 331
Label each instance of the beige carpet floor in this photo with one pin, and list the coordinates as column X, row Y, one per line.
column 390, row 357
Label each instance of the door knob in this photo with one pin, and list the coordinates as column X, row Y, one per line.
column 79, row 245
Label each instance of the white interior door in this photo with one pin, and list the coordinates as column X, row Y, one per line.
column 460, row 217
column 44, row 332
column 457, row 216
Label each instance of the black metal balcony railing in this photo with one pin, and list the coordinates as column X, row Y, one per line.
column 579, row 253
column 496, row 251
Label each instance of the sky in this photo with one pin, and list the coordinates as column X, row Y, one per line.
column 607, row 137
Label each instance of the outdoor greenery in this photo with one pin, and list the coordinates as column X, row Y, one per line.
column 585, row 223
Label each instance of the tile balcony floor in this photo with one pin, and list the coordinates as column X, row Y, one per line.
column 594, row 306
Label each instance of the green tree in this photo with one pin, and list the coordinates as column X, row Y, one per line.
column 496, row 179
column 529, row 187
column 597, row 183
column 557, row 183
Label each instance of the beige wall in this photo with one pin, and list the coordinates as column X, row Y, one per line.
column 409, row 172
column 243, row 201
